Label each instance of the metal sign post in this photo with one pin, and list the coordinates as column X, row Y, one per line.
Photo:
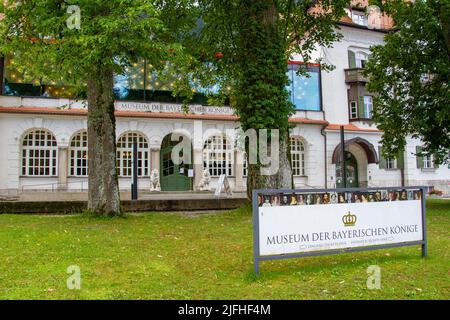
column 343, row 157
column 134, row 184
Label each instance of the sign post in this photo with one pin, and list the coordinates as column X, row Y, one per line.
column 301, row 223
column 343, row 157
column 134, row 184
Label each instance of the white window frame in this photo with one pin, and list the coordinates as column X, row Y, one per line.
column 245, row 165
column 391, row 163
column 298, row 157
column 78, row 155
column 125, row 154
column 39, row 154
column 360, row 18
column 359, row 58
column 353, row 109
column 368, row 106
column 218, row 156
column 428, row 161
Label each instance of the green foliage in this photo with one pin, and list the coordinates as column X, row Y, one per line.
column 243, row 48
column 411, row 75
column 262, row 100
column 112, row 35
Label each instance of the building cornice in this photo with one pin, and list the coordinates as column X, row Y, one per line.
column 144, row 115
column 357, row 26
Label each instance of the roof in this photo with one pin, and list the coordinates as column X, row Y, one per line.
column 350, row 127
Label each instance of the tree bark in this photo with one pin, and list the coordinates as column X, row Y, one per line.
column 285, row 178
column 103, row 198
column 264, row 81
column 281, row 180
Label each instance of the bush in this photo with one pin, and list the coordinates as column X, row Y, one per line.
column 436, row 192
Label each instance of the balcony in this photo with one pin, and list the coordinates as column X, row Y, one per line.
column 355, row 75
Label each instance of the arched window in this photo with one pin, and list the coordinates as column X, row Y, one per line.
column 297, row 156
column 39, row 154
column 125, row 154
column 78, row 151
column 217, row 156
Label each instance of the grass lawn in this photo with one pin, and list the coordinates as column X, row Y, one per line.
column 175, row 256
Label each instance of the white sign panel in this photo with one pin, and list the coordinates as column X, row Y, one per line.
column 298, row 227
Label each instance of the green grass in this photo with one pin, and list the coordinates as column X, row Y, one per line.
column 174, row 256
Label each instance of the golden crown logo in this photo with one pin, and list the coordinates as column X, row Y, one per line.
column 349, row 220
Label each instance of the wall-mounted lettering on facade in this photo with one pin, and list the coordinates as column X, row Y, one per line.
column 171, row 108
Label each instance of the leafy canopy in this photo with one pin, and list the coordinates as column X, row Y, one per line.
column 411, row 74
column 112, row 35
column 243, row 48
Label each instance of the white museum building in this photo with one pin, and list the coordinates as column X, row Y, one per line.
column 43, row 131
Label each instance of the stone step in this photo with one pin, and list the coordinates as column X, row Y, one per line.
column 9, row 198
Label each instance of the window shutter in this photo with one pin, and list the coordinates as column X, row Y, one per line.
column 351, row 59
column 373, row 105
column 361, row 109
column 435, row 165
column 401, row 160
column 382, row 162
column 419, row 157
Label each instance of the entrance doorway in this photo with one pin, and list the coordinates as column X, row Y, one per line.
column 351, row 172
column 174, row 177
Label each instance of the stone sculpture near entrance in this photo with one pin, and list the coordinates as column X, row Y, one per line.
column 205, row 181
column 154, row 181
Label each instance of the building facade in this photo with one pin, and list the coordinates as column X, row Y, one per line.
column 43, row 132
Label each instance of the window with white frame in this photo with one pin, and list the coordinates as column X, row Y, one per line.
column 353, row 110
column 428, row 161
column 39, row 154
column 78, row 152
column 297, row 156
column 359, row 18
column 391, row 163
column 125, row 154
column 361, row 59
column 368, row 106
column 217, row 156
column 245, row 165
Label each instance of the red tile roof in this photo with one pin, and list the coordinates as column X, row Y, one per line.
column 350, row 127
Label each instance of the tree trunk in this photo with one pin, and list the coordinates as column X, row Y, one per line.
column 103, row 198
column 285, row 179
column 263, row 101
column 282, row 179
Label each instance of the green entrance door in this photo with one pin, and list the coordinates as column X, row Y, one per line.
column 352, row 172
column 174, row 177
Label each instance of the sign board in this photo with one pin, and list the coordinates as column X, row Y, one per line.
column 157, row 107
column 223, row 184
column 296, row 223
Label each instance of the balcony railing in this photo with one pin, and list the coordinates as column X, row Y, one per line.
column 355, row 75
